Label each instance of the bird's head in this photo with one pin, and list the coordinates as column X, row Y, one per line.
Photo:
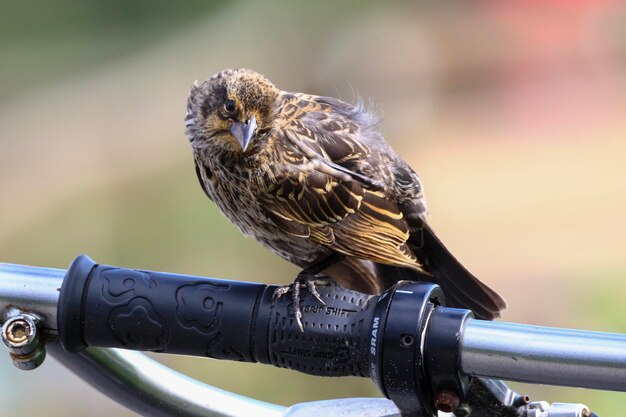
column 230, row 109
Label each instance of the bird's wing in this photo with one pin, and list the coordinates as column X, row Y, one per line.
column 324, row 191
column 303, row 195
column 203, row 175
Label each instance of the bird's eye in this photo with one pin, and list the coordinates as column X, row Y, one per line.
column 230, row 106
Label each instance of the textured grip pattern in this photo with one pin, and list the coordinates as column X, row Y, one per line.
column 335, row 341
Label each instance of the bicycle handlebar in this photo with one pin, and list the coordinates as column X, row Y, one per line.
column 421, row 354
column 406, row 340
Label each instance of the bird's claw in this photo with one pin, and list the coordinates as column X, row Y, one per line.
column 279, row 292
column 309, row 282
column 310, row 285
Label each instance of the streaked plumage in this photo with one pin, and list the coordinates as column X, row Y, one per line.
column 310, row 176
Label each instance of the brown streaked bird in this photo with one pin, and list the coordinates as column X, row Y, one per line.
column 312, row 179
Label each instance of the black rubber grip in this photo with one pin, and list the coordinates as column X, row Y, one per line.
column 108, row 306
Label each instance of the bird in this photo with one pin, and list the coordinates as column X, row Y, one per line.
column 313, row 179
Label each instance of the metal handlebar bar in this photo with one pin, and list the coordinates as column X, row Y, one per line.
column 422, row 355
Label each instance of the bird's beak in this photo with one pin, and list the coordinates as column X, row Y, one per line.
column 243, row 131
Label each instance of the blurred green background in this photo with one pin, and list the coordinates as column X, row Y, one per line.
column 514, row 114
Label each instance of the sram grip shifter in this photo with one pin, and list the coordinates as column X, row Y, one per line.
column 382, row 337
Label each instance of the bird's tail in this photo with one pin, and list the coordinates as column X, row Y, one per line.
column 461, row 288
